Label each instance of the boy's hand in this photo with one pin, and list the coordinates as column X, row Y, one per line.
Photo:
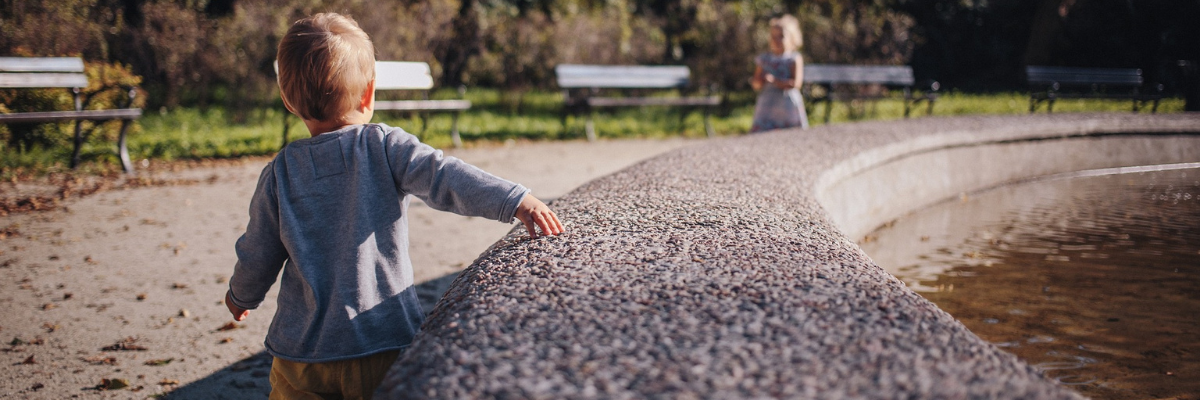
column 238, row 313
column 532, row 212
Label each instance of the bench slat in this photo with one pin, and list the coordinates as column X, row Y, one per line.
column 87, row 115
column 653, row 101
column 621, row 76
column 52, row 80
column 1039, row 75
column 422, row 105
column 860, row 74
column 41, row 64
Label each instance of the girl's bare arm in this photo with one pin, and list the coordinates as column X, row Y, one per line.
column 758, row 80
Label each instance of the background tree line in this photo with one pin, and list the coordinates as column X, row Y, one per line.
column 205, row 52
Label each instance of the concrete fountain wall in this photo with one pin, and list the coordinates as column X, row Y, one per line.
column 729, row 270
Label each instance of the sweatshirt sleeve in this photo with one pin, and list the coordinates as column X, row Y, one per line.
column 449, row 184
column 260, row 250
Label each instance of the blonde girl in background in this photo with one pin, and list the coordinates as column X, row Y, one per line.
column 778, row 75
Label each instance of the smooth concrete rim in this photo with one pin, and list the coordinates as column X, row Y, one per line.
column 855, row 220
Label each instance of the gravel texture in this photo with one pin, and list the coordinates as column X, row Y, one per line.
column 712, row 272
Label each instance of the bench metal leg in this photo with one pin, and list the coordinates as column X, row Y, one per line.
column 708, row 128
column 590, row 128
column 78, row 144
column 424, row 124
column 454, row 131
column 828, row 110
column 286, row 125
column 122, row 150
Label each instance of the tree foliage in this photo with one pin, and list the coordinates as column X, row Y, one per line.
column 200, row 52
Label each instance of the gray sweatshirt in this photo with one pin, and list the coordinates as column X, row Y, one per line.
column 331, row 211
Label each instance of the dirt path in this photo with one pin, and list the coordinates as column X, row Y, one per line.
column 123, row 286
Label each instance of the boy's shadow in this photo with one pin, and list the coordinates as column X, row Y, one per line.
column 249, row 378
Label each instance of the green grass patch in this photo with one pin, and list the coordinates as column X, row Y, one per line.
column 191, row 133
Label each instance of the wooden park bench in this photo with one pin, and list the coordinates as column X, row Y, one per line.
column 404, row 75
column 1051, row 83
column 832, row 77
column 581, row 85
column 64, row 72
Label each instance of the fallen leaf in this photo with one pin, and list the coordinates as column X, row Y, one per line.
column 36, row 387
column 89, row 260
column 159, row 362
column 229, row 326
column 49, row 306
column 179, row 286
column 141, row 296
column 221, row 279
column 68, row 296
column 100, row 360
column 29, row 361
column 126, row 344
column 184, row 313
column 112, row 384
column 166, row 382
column 50, row 328
column 226, row 340
column 16, row 342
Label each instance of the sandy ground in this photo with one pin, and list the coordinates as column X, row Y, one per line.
column 122, row 288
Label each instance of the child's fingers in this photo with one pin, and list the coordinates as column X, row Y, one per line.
column 529, row 226
column 544, row 223
column 555, row 224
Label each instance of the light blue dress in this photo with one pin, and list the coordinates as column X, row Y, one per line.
column 777, row 108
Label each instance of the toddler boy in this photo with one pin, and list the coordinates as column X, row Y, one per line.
column 331, row 211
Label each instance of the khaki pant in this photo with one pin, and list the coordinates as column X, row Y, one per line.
column 347, row 379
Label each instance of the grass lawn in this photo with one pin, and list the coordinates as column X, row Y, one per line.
column 191, row 133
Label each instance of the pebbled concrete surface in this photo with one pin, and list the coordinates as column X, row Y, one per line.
column 712, row 272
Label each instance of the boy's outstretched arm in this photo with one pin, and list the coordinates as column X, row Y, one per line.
column 532, row 212
column 238, row 312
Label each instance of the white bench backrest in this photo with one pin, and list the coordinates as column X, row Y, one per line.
column 393, row 75
column 1083, row 76
column 621, row 76
column 42, row 72
column 398, row 75
column 837, row 73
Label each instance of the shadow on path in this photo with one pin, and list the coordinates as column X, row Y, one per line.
column 249, row 378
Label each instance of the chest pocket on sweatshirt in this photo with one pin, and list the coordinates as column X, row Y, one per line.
column 327, row 159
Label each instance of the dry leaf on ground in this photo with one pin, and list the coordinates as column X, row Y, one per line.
column 100, row 360
column 159, row 362
column 112, row 384
column 126, row 344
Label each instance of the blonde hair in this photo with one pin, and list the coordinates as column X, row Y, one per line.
column 326, row 63
column 792, row 38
